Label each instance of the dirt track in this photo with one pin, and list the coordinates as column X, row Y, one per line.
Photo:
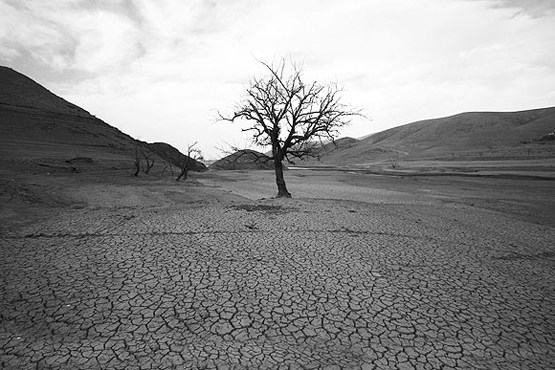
column 354, row 272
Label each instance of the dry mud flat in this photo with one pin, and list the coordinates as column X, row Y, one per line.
column 344, row 276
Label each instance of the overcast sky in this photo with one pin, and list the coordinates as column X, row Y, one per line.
column 158, row 70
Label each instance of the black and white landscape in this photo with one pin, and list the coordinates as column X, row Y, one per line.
column 424, row 244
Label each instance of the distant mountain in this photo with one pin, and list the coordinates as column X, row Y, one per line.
column 477, row 134
column 246, row 159
column 40, row 127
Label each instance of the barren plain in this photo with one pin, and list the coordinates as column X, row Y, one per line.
column 356, row 271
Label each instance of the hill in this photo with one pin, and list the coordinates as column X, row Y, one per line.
column 20, row 91
column 35, row 123
column 330, row 147
column 478, row 135
column 40, row 128
column 245, row 159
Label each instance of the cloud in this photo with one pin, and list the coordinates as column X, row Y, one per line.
column 69, row 35
column 534, row 8
column 158, row 70
column 9, row 53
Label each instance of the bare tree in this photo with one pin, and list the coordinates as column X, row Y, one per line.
column 285, row 112
column 194, row 154
column 149, row 162
column 137, row 163
column 168, row 165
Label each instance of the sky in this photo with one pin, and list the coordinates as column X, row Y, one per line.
column 160, row 70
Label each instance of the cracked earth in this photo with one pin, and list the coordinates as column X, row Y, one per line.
column 382, row 280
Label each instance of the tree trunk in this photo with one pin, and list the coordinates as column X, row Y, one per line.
column 282, row 189
column 183, row 174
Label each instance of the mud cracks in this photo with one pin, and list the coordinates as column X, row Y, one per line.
column 305, row 284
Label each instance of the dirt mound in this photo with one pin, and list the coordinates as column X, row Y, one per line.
column 245, row 159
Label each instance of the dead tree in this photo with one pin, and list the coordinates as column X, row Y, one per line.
column 149, row 162
column 147, row 166
column 289, row 115
column 189, row 163
column 137, row 163
column 168, row 165
column 184, row 172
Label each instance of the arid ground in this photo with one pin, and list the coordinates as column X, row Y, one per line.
column 356, row 271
